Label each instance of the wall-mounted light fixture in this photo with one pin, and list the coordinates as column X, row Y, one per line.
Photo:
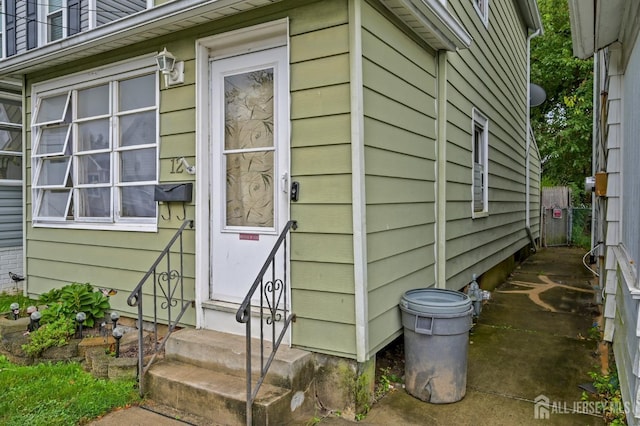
column 172, row 70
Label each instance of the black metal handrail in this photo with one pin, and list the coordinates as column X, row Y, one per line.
column 274, row 294
column 166, row 281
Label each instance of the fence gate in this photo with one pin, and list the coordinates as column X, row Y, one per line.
column 557, row 227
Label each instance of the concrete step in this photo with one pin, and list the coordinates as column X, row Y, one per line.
column 217, row 397
column 291, row 368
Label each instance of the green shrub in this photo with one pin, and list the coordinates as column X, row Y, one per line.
column 73, row 298
column 608, row 397
column 54, row 334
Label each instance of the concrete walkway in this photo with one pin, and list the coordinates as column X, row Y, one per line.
column 530, row 345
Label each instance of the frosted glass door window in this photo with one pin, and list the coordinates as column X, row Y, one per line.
column 249, row 148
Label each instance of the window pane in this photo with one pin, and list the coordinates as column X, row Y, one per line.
column 249, row 110
column 138, row 129
column 53, row 172
column 55, row 26
column 93, row 135
column 53, row 140
column 137, row 201
column 94, row 202
column 54, row 203
column 94, row 169
column 52, row 109
column 54, row 5
column 250, row 189
column 10, row 111
column 93, row 102
column 138, row 165
column 11, row 140
column 137, row 93
column 10, row 167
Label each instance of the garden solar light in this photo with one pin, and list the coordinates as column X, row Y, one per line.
column 15, row 309
column 80, row 318
column 35, row 320
column 117, row 334
column 115, row 316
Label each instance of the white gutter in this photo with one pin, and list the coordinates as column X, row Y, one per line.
column 528, row 149
column 361, row 292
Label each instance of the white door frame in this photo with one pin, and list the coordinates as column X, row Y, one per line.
column 259, row 37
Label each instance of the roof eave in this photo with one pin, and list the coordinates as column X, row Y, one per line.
column 429, row 19
column 145, row 25
column 432, row 22
column 595, row 25
column 530, row 14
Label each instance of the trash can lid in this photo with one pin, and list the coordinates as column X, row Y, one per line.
column 435, row 301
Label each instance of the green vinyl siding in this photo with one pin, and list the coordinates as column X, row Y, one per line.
column 399, row 156
column 489, row 76
column 117, row 259
column 322, row 277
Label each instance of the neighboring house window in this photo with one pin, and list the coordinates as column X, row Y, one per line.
column 10, row 139
column 480, row 145
column 54, row 20
column 61, row 19
column 482, row 7
column 95, row 149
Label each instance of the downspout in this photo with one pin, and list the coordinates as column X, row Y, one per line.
column 358, row 183
column 441, row 172
column 528, row 146
column 25, row 290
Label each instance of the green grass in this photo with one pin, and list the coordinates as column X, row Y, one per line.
column 7, row 299
column 58, row 394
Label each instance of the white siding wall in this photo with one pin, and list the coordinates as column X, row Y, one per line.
column 631, row 158
column 10, row 261
column 622, row 219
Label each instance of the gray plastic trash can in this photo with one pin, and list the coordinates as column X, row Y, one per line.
column 436, row 339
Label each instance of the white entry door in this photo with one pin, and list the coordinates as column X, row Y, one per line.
column 249, row 167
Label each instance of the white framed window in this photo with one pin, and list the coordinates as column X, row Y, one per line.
column 95, row 149
column 10, row 139
column 54, row 20
column 482, row 8
column 480, row 155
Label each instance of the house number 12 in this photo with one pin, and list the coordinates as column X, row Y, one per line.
column 176, row 166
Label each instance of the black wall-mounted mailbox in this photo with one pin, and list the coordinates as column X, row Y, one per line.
column 173, row 192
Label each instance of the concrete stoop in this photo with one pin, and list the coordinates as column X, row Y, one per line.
column 203, row 373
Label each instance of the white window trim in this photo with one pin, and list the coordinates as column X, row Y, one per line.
column 121, row 70
column 479, row 119
column 484, row 16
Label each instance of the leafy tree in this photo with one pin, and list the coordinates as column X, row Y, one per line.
column 563, row 123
